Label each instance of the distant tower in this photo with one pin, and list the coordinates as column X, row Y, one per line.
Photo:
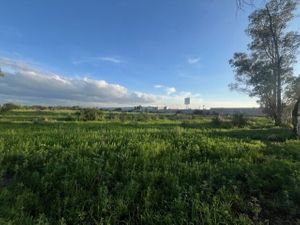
column 187, row 101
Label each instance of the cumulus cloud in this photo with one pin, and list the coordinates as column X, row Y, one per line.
column 193, row 60
column 168, row 90
column 25, row 82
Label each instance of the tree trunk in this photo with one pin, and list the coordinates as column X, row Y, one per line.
column 295, row 113
column 276, row 68
column 279, row 101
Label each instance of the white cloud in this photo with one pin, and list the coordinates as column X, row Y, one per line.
column 110, row 59
column 95, row 60
column 25, row 84
column 193, row 60
column 168, row 90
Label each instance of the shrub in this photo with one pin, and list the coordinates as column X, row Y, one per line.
column 216, row 120
column 239, row 120
column 90, row 114
column 276, row 138
column 69, row 117
column 8, row 107
column 41, row 120
column 110, row 116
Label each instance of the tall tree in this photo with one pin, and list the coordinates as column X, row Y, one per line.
column 268, row 68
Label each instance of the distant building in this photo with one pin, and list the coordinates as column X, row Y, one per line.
column 166, row 110
column 231, row 111
column 149, row 109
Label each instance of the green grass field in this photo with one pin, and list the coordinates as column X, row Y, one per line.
column 145, row 169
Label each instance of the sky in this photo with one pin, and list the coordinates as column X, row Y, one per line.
column 122, row 53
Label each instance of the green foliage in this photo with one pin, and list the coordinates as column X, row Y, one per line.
column 90, row 114
column 267, row 70
column 8, row 107
column 168, row 170
column 216, row 120
column 293, row 95
column 239, row 120
column 293, row 92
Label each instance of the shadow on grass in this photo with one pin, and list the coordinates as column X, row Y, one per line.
column 265, row 134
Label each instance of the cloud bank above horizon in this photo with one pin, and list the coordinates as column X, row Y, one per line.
column 25, row 84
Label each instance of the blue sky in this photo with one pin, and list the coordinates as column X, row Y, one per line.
column 152, row 52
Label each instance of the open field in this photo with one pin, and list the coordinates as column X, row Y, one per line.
column 145, row 169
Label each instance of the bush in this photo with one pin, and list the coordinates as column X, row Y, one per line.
column 8, row 107
column 110, row 116
column 41, row 120
column 69, row 117
column 39, row 107
column 90, row 114
column 216, row 120
column 239, row 120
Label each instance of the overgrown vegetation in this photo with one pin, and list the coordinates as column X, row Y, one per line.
column 175, row 169
column 217, row 120
column 239, row 120
column 8, row 107
column 89, row 114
